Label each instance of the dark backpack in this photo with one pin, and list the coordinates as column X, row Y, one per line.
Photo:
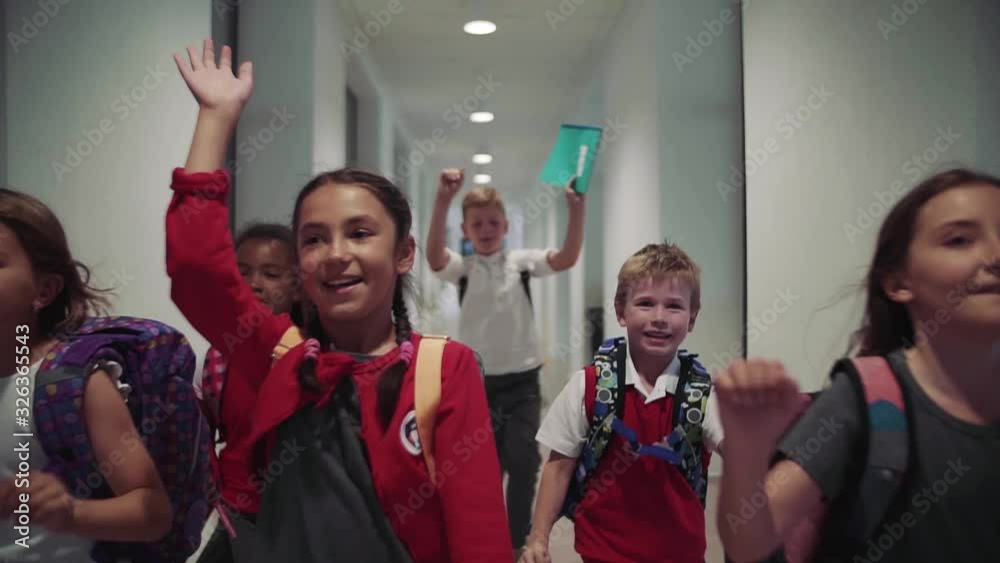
column 605, row 403
column 463, row 285
column 157, row 370
column 835, row 530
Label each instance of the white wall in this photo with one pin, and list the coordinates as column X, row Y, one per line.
column 60, row 86
column 272, row 164
column 329, row 71
column 700, row 139
column 987, row 87
column 671, row 132
column 888, row 98
column 377, row 114
column 631, row 162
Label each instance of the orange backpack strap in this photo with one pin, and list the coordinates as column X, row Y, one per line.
column 292, row 338
column 427, row 391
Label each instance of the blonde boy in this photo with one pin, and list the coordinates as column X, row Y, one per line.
column 496, row 320
column 636, row 508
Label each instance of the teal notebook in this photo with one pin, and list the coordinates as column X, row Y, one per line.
column 573, row 155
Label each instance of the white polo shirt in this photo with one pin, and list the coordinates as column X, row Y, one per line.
column 496, row 318
column 566, row 425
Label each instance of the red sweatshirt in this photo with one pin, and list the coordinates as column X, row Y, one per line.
column 207, row 287
column 640, row 509
column 463, row 518
column 239, row 397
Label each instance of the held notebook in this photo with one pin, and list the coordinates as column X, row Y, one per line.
column 573, row 156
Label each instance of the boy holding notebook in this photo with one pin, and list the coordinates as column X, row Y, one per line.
column 497, row 321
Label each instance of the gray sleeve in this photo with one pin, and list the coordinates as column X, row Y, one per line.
column 824, row 441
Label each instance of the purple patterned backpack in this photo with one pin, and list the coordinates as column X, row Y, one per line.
column 157, row 369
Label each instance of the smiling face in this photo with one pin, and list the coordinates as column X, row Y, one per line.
column 350, row 254
column 485, row 227
column 953, row 262
column 657, row 315
column 266, row 265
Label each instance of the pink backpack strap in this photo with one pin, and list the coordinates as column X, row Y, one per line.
column 887, row 459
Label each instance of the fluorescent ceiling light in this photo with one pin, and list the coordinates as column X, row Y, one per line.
column 482, row 178
column 482, row 158
column 481, row 117
column 479, row 27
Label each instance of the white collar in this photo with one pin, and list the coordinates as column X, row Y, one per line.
column 494, row 258
column 666, row 382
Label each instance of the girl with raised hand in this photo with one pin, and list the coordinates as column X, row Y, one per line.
column 341, row 471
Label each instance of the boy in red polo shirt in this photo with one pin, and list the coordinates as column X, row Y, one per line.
column 644, row 498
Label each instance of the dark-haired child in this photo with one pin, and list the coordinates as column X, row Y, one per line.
column 933, row 312
column 335, row 417
column 45, row 295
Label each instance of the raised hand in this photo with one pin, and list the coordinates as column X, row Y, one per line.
column 450, row 183
column 757, row 401
column 214, row 86
column 573, row 199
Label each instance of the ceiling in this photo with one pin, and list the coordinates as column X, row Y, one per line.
column 429, row 64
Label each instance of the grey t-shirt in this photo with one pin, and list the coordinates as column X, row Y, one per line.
column 949, row 506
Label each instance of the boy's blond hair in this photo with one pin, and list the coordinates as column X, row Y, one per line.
column 482, row 196
column 658, row 261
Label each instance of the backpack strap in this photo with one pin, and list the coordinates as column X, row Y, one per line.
column 526, row 284
column 853, row 518
column 427, row 394
column 691, row 401
column 292, row 338
column 888, row 443
column 604, row 403
column 463, row 285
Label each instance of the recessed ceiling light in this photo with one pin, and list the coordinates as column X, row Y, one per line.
column 482, row 178
column 481, row 117
column 482, row 158
column 479, row 27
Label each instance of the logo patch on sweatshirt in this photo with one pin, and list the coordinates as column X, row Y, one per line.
column 408, row 434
